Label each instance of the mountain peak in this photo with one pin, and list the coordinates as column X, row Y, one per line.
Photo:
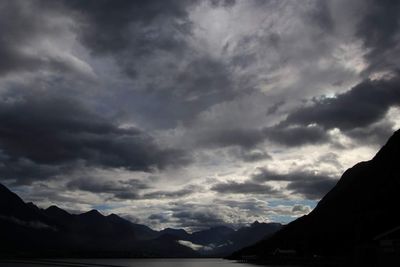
column 53, row 209
column 92, row 213
column 32, row 205
column 114, row 216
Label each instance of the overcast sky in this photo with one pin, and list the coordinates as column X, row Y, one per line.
column 193, row 113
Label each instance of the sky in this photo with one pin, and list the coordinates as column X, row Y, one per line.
column 190, row 114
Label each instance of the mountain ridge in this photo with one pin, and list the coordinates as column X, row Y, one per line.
column 347, row 219
column 31, row 231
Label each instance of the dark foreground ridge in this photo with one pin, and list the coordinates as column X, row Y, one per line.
column 28, row 231
column 356, row 223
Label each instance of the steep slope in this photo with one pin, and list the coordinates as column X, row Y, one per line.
column 23, row 227
column 12, row 207
column 363, row 204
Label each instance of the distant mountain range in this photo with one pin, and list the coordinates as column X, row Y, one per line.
column 27, row 230
column 356, row 222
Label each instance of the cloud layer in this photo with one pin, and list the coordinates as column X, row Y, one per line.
column 193, row 113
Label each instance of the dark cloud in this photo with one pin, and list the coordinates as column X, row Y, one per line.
column 122, row 189
column 159, row 217
column 136, row 27
column 254, row 205
column 197, row 219
column 25, row 171
column 312, row 187
column 204, row 77
column 223, row 3
column 44, row 194
column 186, row 191
column 296, row 135
column 364, row 104
column 23, row 26
column 158, row 65
column 151, row 42
column 248, row 187
column 308, row 184
column 28, row 26
column 275, row 107
column 232, row 213
column 55, row 132
column 179, row 93
column 320, row 16
column 377, row 133
column 252, row 155
column 134, row 33
column 264, row 175
column 128, row 189
column 140, row 26
column 246, row 138
column 379, row 31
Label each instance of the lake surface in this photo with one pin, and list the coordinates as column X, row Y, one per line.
column 124, row 263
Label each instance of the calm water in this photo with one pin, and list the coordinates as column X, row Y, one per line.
column 126, row 263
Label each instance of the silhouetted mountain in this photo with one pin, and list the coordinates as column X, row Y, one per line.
column 343, row 226
column 180, row 233
column 144, row 232
column 12, row 207
column 246, row 236
column 168, row 244
column 58, row 214
column 32, row 206
column 214, row 235
column 27, row 230
column 221, row 241
column 23, row 227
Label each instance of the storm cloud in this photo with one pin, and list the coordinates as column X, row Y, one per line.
column 379, row 31
column 233, row 187
column 122, row 189
column 304, row 183
column 109, row 26
column 178, row 106
column 361, row 106
column 310, row 185
column 50, row 132
column 295, row 135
